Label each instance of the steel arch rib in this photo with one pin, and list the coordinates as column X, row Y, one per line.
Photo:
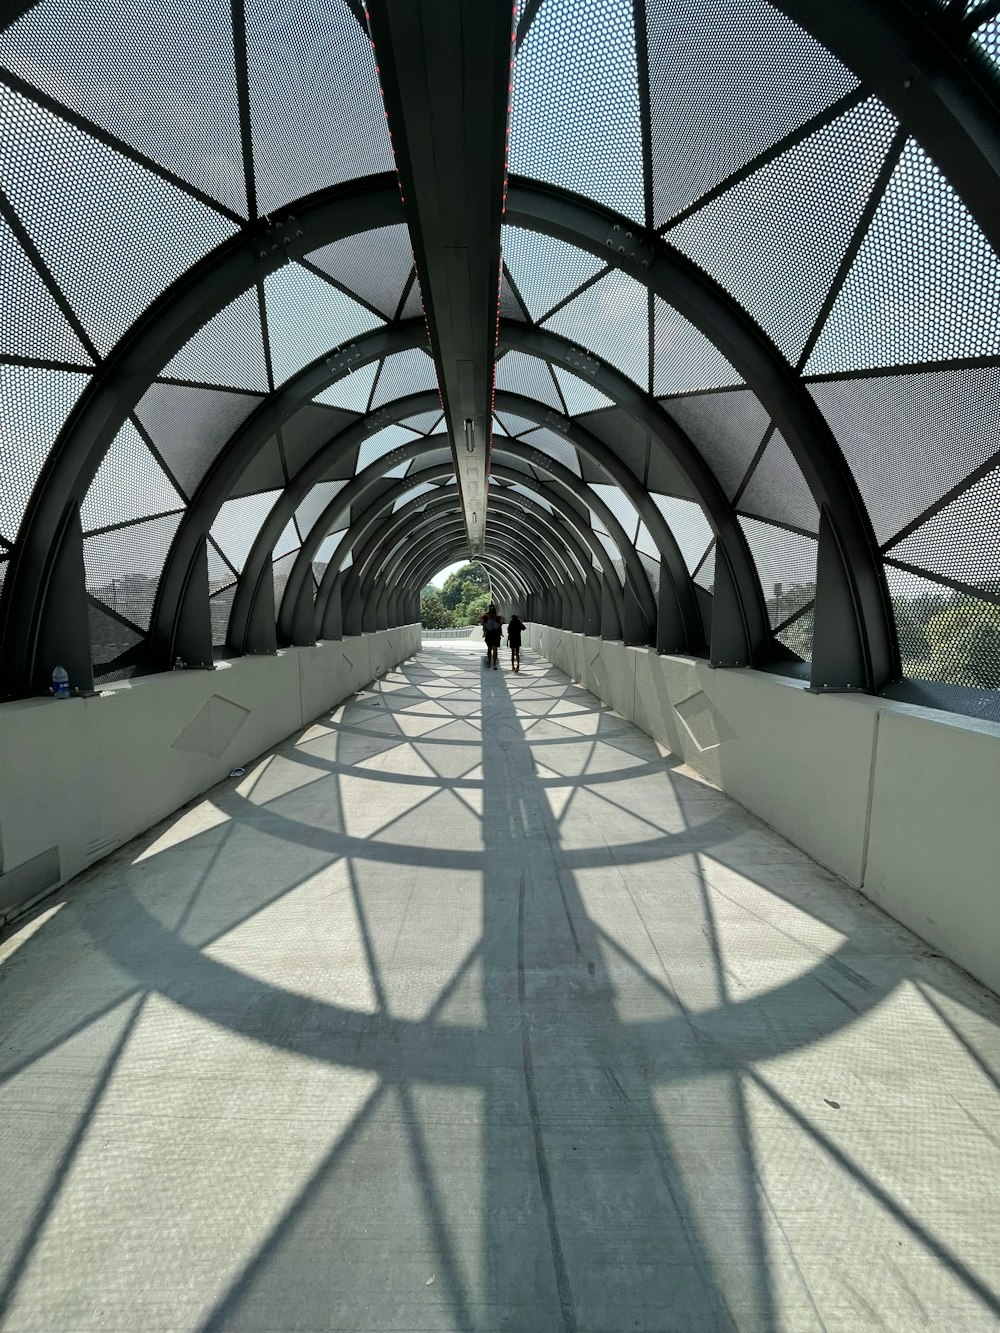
column 649, row 260
column 134, row 363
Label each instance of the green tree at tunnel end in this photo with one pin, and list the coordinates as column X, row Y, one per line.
column 466, row 594
column 433, row 612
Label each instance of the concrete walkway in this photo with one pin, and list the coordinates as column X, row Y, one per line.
column 469, row 1010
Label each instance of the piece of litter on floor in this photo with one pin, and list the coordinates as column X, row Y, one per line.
column 835, row 1105
column 237, row 772
column 429, row 1280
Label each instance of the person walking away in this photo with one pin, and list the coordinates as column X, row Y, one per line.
column 492, row 623
column 515, row 628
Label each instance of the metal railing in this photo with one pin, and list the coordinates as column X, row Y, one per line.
column 462, row 632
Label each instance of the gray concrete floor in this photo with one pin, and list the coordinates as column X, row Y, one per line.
column 469, row 1009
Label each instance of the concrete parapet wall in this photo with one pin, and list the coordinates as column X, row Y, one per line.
column 899, row 801
column 80, row 777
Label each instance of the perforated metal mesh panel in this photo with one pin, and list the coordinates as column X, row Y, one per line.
column 315, row 105
column 611, row 318
column 945, row 635
column 620, row 505
column 545, row 269
column 129, row 484
column 515, row 425
column 777, row 489
column 237, row 524
column 308, row 431
column 728, row 429
column 511, row 307
column 85, row 206
column 960, row 541
column 111, row 645
column 352, row 393
column 316, row 501
column 683, row 358
column 264, row 471
column 575, row 109
column 424, row 422
column 228, row 350
column 189, row 426
column 786, row 564
column 33, row 325
column 728, row 78
column 776, row 239
column 381, row 443
column 691, row 529
column 281, row 567
column 548, row 442
column 704, row 574
column 123, row 566
column 404, row 373
column 578, row 394
column 374, row 264
column 987, row 40
column 422, row 488
column 307, row 317
column 925, row 285
column 33, row 406
column 158, row 76
column 517, row 373
column 221, row 605
column 910, row 439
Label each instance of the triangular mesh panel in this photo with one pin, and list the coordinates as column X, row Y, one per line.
column 315, row 502
column 373, row 264
column 704, row 575
column 325, row 550
column 237, row 524
column 527, row 375
column 433, row 458
column 220, row 605
column 515, row 425
column 306, row 317
column 129, row 484
column 909, row 439
column 308, row 431
column 510, row 306
column 531, row 495
column 925, row 285
column 575, row 108
column 579, row 395
column 424, row 422
column 353, row 392
column 556, row 447
column 684, row 360
column 381, row 443
column 611, row 318
column 777, row 489
column 228, row 350
column 727, row 78
column 315, row 105
column 414, row 302
column 158, row 76
column 945, row 635
column 960, row 541
column 123, row 566
column 404, row 373
column 220, row 572
column 264, row 471
column 621, row 506
column 33, row 325
column 728, row 429
column 288, row 541
column 786, row 565
column 545, row 269
column 613, row 552
column 34, row 404
column 423, row 488
column 87, row 206
column 280, row 570
column 776, row 239
column 110, row 642
column 692, row 530
column 190, row 426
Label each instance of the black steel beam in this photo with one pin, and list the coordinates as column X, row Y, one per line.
column 445, row 67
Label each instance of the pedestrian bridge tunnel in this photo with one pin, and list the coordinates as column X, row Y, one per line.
column 682, row 321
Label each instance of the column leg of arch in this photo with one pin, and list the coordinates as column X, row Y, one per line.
column 611, row 625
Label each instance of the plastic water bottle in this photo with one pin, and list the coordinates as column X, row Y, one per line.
column 178, row 664
column 60, row 683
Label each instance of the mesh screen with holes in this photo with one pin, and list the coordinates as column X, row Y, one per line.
column 727, row 80
column 945, row 635
column 220, row 605
column 545, row 269
column 727, row 428
column 526, row 375
column 113, row 646
column 123, row 566
column 575, row 117
column 374, row 265
column 786, row 566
